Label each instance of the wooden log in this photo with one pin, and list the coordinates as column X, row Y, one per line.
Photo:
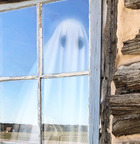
column 132, row 47
column 127, row 79
column 126, row 111
column 126, row 104
column 129, row 142
column 133, row 4
column 126, row 125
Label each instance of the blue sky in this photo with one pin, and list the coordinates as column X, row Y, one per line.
column 18, row 42
column 18, row 56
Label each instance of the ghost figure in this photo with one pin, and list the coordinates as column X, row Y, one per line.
column 66, row 99
column 67, row 49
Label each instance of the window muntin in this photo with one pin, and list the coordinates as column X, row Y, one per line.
column 94, row 71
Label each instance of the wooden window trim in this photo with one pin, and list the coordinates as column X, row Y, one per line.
column 94, row 73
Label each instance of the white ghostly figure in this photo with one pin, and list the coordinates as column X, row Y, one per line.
column 65, row 100
column 67, row 49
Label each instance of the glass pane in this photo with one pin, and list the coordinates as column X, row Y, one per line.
column 65, row 36
column 18, row 42
column 65, row 110
column 18, row 112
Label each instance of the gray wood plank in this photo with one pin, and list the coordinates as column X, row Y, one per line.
column 126, row 114
column 127, row 78
column 126, row 125
column 121, row 105
column 95, row 68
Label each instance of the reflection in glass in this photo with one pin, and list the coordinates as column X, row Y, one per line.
column 18, row 113
column 18, row 42
column 65, row 36
column 65, row 110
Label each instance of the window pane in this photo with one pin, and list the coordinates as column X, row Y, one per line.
column 65, row 36
column 65, row 110
column 18, row 42
column 18, row 112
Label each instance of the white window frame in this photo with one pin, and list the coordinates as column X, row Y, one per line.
column 94, row 73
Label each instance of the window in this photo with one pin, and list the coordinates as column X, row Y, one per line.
column 50, row 71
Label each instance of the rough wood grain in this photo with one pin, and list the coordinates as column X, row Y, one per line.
column 132, row 47
column 127, row 79
column 126, row 125
column 126, row 111
column 133, row 4
column 127, row 104
column 129, row 142
column 109, row 49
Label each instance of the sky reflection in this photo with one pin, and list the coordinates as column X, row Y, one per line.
column 65, row 49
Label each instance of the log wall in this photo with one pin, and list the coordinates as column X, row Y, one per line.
column 124, row 105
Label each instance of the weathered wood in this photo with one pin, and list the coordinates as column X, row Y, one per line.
column 126, row 125
column 109, row 49
column 133, row 4
column 127, row 79
column 126, row 111
column 129, row 142
column 39, row 69
column 95, row 23
column 132, row 47
column 11, row 1
column 2, row 79
column 22, row 4
column 127, row 104
column 70, row 74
